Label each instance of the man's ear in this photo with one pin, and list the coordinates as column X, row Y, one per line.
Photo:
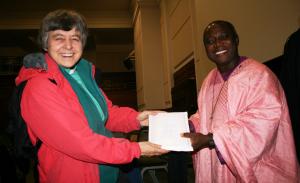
column 237, row 41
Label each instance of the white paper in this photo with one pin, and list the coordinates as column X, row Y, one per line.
column 165, row 129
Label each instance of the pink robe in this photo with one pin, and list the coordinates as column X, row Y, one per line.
column 250, row 125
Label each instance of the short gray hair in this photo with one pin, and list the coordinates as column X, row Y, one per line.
column 62, row 20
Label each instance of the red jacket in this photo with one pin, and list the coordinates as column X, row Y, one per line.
column 70, row 151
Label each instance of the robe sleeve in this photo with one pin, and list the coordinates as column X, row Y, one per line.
column 194, row 119
column 59, row 122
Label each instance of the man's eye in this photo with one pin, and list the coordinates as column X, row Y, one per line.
column 209, row 41
column 223, row 36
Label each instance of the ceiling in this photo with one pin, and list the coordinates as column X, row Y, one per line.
column 80, row 5
column 26, row 38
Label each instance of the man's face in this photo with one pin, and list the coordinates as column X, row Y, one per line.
column 65, row 47
column 220, row 45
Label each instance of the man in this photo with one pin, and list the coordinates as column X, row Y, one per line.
column 243, row 130
column 72, row 118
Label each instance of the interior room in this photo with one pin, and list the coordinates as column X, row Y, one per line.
column 149, row 52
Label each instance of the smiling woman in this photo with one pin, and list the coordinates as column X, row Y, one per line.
column 77, row 143
column 63, row 35
column 65, row 47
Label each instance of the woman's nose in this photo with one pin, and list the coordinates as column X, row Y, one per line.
column 68, row 44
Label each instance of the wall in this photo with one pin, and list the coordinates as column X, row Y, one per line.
column 109, row 58
column 11, row 51
column 179, row 30
column 263, row 26
column 149, row 57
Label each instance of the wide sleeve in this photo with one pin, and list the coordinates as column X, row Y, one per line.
column 194, row 119
column 121, row 119
column 54, row 116
column 255, row 109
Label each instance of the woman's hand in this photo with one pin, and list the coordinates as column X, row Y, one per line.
column 150, row 149
column 143, row 117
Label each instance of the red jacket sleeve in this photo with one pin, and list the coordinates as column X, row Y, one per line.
column 121, row 119
column 55, row 117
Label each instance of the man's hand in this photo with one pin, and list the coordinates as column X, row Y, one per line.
column 198, row 140
column 150, row 149
column 143, row 117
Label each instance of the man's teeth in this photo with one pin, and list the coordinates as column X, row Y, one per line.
column 220, row 52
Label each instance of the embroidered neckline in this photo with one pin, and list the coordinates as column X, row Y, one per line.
column 213, row 105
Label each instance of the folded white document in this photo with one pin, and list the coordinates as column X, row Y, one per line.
column 165, row 129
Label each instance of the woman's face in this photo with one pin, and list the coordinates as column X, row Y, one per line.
column 65, row 47
column 221, row 45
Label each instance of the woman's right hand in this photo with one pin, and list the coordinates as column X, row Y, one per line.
column 150, row 149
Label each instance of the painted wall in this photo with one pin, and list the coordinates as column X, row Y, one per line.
column 263, row 26
column 109, row 58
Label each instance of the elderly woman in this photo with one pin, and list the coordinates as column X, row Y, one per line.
column 72, row 118
column 243, row 129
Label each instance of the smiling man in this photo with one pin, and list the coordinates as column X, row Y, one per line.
column 243, row 130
